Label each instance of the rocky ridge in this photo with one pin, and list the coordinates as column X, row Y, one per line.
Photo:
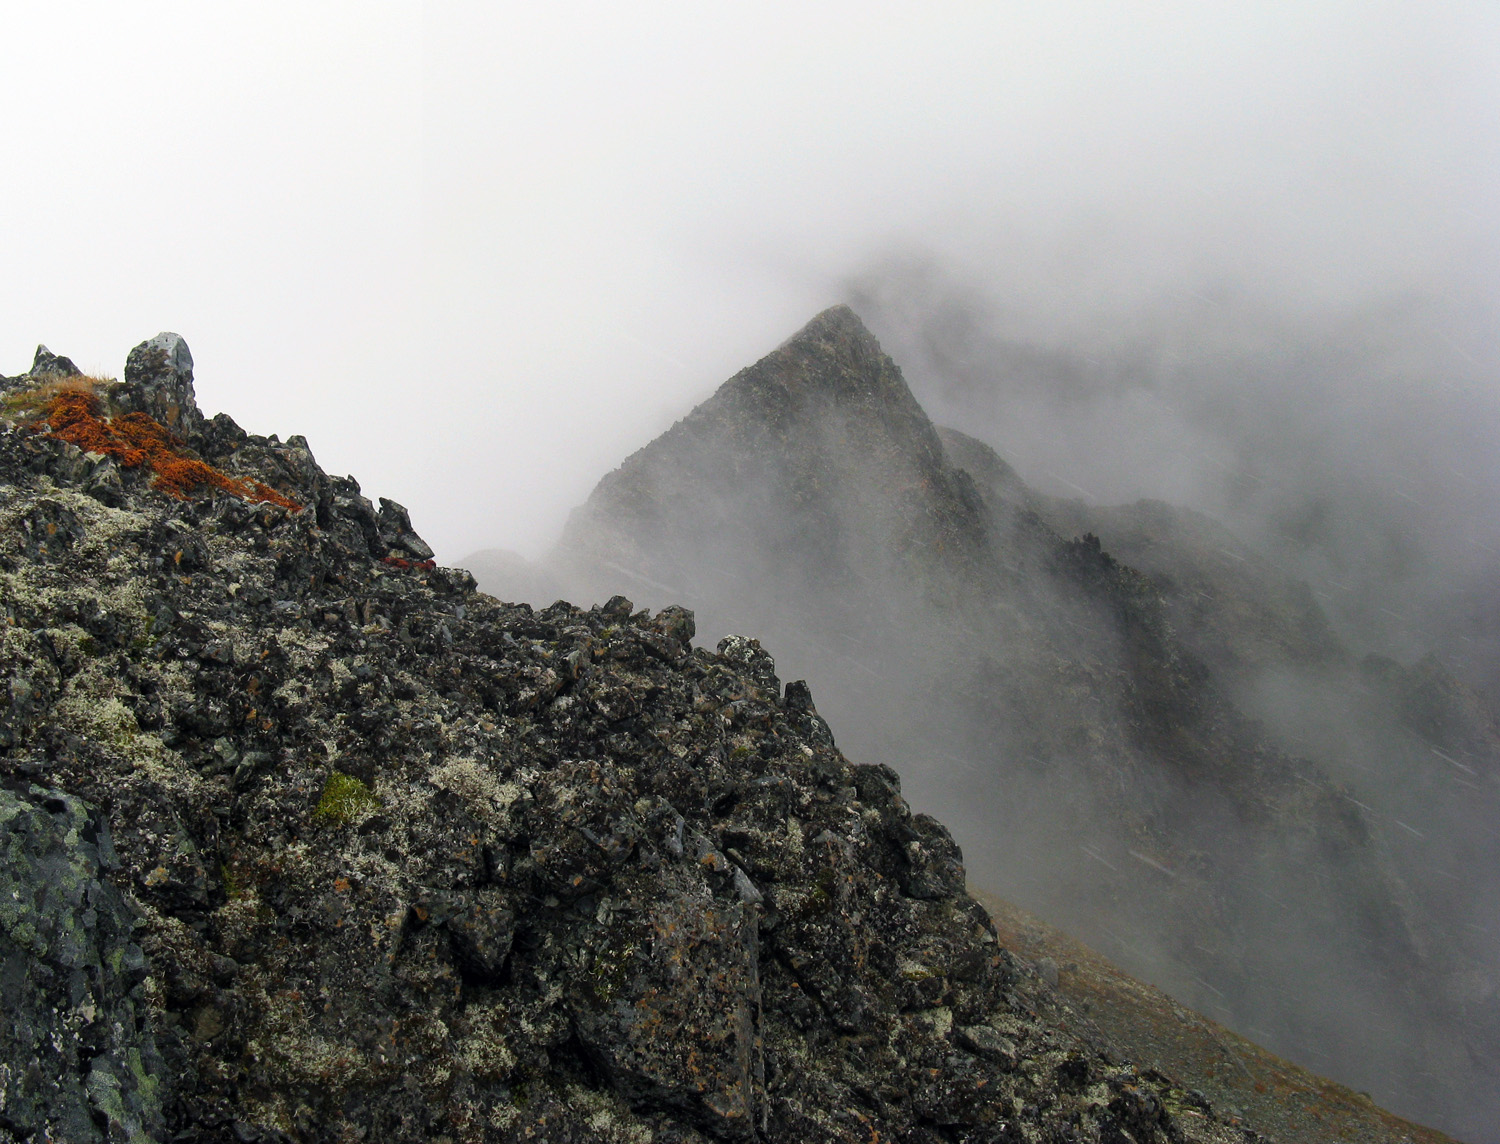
column 313, row 841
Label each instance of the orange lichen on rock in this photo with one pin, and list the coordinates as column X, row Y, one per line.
column 135, row 439
column 409, row 565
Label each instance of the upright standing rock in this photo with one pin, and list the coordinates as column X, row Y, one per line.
column 159, row 383
column 46, row 363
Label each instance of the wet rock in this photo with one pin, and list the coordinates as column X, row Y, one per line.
column 747, row 655
column 1046, row 967
column 397, row 534
column 988, row 1042
column 934, row 865
column 669, row 1007
column 676, row 622
column 799, row 696
column 617, row 608
column 482, row 929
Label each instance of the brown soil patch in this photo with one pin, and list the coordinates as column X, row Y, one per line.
column 1143, row 1025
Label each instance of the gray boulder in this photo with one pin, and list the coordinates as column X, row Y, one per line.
column 159, row 383
column 47, row 363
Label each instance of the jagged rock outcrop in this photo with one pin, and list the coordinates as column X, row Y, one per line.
column 45, row 363
column 1231, row 608
column 409, row 863
column 159, row 383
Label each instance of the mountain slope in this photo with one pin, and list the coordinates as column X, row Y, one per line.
column 1417, row 748
column 1085, row 726
column 1139, row 1023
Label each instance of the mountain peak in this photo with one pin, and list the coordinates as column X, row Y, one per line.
column 835, row 355
column 823, row 429
column 839, row 320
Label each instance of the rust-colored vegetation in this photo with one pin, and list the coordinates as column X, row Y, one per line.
column 75, row 414
column 409, row 565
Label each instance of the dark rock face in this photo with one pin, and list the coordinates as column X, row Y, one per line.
column 77, row 1059
column 1230, row 607
column 409, row 863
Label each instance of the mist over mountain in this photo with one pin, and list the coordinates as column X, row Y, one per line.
column 1165, row 568
column 1351, row 442
column 306, row 838
column 1143, row 722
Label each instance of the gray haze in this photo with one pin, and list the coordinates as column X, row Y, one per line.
column 1241, row 258
column 480, row 249
column 1357, row 446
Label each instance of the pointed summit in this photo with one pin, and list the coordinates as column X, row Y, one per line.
column 816, row 463
column 836, row 336
column 839, row 318
column 834, row 357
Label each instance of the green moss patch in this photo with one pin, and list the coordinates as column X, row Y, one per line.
column 344, row 800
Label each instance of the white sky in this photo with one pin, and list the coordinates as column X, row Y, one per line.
column 478, row 253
